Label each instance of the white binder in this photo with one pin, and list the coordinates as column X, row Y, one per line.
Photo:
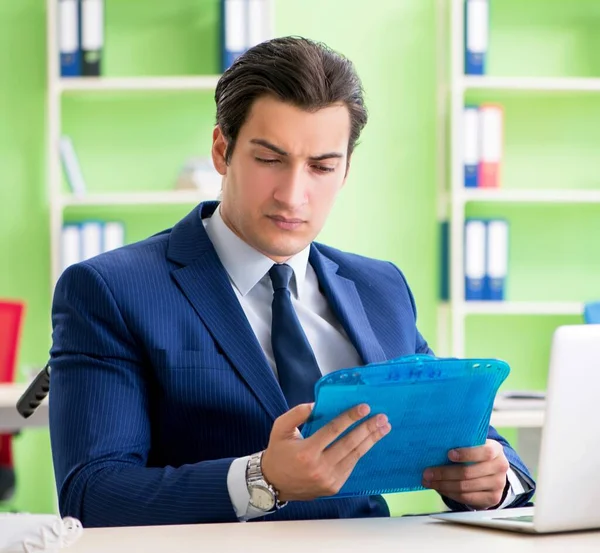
column 91, row 239
column 497, row 259
column 114, row 235
column 70, row 245
column 475, row 245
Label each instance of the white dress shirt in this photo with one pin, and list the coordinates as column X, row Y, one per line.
column 248, row 273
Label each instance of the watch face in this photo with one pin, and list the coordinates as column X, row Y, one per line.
column 262, row 498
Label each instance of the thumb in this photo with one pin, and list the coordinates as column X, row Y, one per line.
column 286, row 425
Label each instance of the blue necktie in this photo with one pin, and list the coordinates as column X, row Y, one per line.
column 297, row 367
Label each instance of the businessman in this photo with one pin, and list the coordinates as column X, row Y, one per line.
column 183, row 365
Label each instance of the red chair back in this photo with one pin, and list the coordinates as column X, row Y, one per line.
column 11, row 322
column 11, row 319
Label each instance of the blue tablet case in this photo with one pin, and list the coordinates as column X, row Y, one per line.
column 433, row 405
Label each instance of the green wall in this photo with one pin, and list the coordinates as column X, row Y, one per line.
column 137, row 141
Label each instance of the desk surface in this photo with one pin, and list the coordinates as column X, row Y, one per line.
column 10, row 420
column 404, row 535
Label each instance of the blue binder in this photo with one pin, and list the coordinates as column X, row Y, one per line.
column 234, row 31
column 69, row 38
column 475, row 259
column 497, row 234
column 471, row 155
column 433, row 405
column 476, row 36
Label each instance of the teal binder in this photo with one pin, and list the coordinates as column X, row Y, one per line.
column 433, row 405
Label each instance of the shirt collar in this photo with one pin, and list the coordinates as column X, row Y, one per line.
column 245, row 265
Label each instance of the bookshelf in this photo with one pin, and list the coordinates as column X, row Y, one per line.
column 529, row 84
column 174, row 197
column 521, row 308
column 92, row 89
column 521, row 419
column 124, row 84
column 530, row 196
column 460, row 319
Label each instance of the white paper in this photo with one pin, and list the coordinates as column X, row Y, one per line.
column 25, row 533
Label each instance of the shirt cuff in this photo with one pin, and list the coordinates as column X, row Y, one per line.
column 238, row 491
column 517, row 487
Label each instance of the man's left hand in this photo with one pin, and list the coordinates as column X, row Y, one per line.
column 480, row 484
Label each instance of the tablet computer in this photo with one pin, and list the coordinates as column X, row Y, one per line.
column 433, row 405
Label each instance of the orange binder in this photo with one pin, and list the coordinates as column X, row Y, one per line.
column 491, row 136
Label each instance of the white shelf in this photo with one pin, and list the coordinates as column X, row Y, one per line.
column 517, row 419
column 116, row 84
column 139, row 198
column 520, row 308
column 529, row 196
column 531, row 84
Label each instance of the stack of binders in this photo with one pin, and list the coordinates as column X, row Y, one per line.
column 80, row 37
column 244, row 24
column 483, row 136
column 486, row 259
column 81, row 241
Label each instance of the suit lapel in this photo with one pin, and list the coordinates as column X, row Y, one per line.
column 347, row 306
column 206, row 285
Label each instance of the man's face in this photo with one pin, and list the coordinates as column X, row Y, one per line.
column 286, row 170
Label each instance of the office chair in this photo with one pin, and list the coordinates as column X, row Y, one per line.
column 11, row 319
column 591, row 313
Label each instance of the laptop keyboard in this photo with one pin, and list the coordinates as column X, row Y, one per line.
column 516, row 519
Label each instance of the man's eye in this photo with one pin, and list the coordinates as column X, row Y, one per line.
column 267, row 161
column 324, row 169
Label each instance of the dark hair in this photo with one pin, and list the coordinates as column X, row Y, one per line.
column 296, row 70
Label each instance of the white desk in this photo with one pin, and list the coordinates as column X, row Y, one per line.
column 397, row 535
column 10, row 420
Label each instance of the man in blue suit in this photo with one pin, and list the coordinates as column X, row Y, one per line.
column 183, row 365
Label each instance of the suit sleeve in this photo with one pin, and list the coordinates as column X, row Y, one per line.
column 100, row 421
column 516, row 464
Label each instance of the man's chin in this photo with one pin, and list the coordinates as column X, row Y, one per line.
column 282, row 251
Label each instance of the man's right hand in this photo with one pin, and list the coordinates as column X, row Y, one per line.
column 305, row 469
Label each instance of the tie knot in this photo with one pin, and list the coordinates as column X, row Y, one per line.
column 281, row 276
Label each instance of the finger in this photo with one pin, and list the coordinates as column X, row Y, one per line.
column 347, row 464
column 352, row 440
column 485, row 484
column 490, row 450
column 286, row 424
column 322, row 438
column 461, row 472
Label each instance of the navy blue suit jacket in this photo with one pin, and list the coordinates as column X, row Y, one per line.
column 158, row 381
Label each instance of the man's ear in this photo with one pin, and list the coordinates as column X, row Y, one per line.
column 219, row 148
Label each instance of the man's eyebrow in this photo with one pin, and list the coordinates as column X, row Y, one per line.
column 268, row 145
column 278, row 150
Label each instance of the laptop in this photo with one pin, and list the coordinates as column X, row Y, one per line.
column 568, row 486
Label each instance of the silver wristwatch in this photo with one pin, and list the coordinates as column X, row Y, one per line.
column 263, row 496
